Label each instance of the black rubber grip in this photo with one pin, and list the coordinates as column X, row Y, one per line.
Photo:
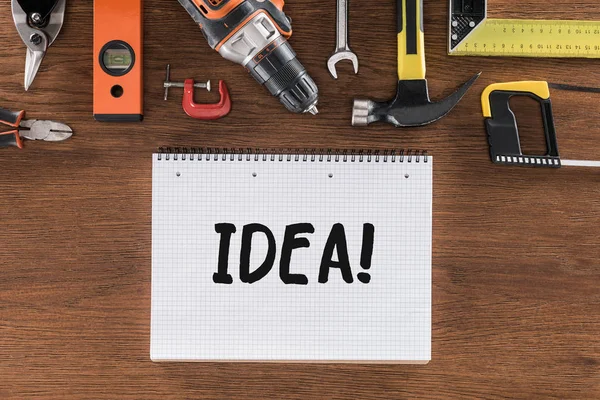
column 270, row 60
column 10, row 118
column 10, row 139
column 281, row 80
column 300, row 95
column 503, row 131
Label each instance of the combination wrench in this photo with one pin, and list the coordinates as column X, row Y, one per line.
column 342, row 52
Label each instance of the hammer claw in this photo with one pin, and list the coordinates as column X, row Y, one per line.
column 410, row 108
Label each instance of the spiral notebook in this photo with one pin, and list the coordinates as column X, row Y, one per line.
column 291, row 257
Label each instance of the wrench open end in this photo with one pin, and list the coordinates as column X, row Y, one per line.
column 342, row 50
column 340, row 56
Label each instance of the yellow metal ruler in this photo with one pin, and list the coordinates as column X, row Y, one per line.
column 473, row 34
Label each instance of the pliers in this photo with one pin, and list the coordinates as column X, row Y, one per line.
column 38, row 22
column 49, row 131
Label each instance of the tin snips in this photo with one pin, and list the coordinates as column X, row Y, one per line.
column 38, row 23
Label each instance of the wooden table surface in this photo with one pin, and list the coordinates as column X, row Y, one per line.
column 516, row 270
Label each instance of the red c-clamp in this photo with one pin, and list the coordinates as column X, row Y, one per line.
column 205, row 112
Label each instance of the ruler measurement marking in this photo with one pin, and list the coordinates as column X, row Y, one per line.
column 532, row 38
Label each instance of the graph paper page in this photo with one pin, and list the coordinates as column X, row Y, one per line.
column 387, row 319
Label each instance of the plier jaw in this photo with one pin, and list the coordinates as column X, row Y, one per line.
column 38, row 23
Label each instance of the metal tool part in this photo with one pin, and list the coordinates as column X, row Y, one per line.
column 205, row 112
column 48, row 131
column 254, row 34
column 412, row 105
column 168, row 84
column 503, row 131
column 342, row 51
column 38, row 24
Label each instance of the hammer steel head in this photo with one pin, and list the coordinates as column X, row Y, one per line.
column 411, row 106
column 339, row 56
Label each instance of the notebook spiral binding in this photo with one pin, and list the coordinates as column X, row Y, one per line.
column 307, row 155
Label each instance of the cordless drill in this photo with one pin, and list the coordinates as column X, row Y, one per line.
column 254, row 33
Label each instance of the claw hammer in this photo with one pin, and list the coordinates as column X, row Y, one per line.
column 412, row 105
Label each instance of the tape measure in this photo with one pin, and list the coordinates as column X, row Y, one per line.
column 473, row 34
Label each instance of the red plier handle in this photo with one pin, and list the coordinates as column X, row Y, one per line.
column 206, row 112
column 11, row 138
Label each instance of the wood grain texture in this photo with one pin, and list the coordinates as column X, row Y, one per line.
column 516, row 251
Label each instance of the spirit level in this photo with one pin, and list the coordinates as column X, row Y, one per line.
column 118, row 86
column 472, row 33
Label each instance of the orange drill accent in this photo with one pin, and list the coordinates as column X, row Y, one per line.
column 118, row 20
column 205, row 7
column 279, row 4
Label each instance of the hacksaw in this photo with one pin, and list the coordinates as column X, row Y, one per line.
column 472, row 33
column 503, row 131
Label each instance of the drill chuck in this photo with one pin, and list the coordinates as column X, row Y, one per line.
column 285, row 77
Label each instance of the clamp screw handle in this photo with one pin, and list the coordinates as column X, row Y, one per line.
column 168, row 84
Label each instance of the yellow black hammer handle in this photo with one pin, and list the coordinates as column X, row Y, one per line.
column 411, row 40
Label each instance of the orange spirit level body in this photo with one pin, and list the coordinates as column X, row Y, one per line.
column 118, row 72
